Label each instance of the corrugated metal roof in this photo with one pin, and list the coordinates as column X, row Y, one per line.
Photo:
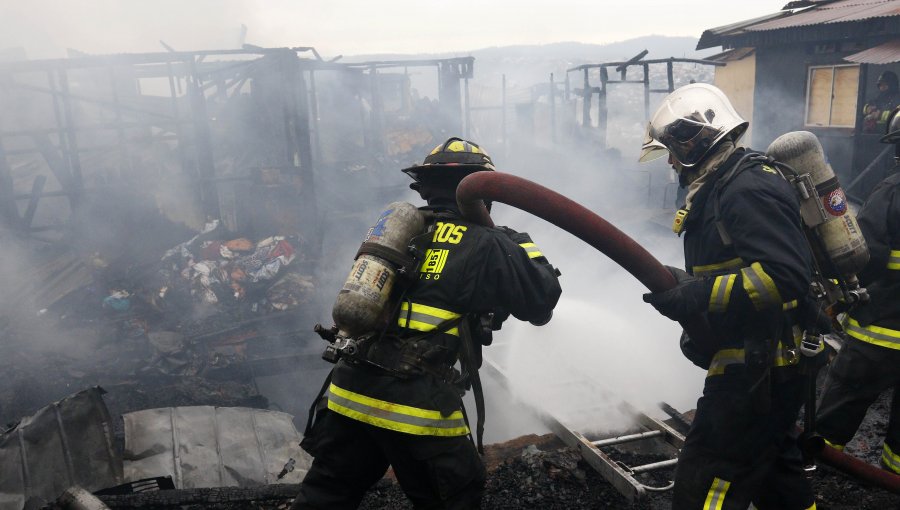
column 886, row 53
column 732, row 55
column 840, row 11
column 820, row 14
column 743, row 25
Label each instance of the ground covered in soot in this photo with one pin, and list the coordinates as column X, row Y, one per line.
column 541, row 473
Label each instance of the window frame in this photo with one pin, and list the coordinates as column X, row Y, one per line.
column 809, row 84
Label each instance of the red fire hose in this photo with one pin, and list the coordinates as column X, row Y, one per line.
column 623, row 250
column 577, row 220
column 855, row 467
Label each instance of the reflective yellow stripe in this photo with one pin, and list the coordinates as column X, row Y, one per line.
column 890, row 459
column 716, row 495
column 387, row 415
column 709, row 269
column 884, row 337
column 724, row 358
column 894, row 260
column 760, row 287
column 532, row 250
column 721, row 293
column 790, row 305
column 785, row 356
column 813, row 507
column 425, row 318
column 838, row 447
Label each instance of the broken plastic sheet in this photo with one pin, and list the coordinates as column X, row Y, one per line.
column 66, row 443
column 205, row 446
column 183, row 249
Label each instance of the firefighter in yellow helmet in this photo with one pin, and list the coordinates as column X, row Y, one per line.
column 868, row 362
column 399, row 404
column 877, row 111
column 748, row 269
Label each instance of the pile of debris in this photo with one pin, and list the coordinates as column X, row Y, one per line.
column 212, row 271
column 181, row 326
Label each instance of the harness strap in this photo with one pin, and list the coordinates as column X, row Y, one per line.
column 315, row 404
column 405, row 263
column 741, row 164
column 468, row 362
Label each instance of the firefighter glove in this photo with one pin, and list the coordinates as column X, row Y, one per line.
column 687, row 298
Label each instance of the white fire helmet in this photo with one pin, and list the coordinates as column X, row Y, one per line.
column 689, row 123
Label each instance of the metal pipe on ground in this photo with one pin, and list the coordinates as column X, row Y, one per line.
column 574, row 218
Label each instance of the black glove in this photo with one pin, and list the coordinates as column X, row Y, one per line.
column 687, row 298
column 693, row 353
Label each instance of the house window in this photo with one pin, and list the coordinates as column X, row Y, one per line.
column 831, row 96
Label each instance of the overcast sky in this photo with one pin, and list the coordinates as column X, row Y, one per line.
column 45, row 28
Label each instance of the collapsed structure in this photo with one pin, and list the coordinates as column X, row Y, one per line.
column 175, row 206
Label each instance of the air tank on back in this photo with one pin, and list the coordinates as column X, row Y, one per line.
column 361, row 305
column 823, row 205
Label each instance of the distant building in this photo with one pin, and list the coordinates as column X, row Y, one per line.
column 813, row 66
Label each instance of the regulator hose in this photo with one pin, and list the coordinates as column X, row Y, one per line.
column 574, row 218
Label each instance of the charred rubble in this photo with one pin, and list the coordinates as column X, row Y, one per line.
column 168, row 220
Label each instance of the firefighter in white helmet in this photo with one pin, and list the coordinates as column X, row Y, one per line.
column 748, row 269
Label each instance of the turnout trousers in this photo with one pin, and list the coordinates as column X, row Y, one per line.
column 350, row 456
column 858, row 376
column 734, row 455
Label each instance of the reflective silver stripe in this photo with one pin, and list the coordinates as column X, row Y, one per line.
column 716, row 495
column 894, row 260
column 532, row 250
column 760, row 287
column 884, row 337
column 721, row 293
column 425, row 318
column 398, row 417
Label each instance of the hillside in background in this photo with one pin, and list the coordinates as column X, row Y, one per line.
column 528, row 68
column 525, row 65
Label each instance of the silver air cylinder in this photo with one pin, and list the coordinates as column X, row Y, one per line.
column 361, row 305
column 823, row 205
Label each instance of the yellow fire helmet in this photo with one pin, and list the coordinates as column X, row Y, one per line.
column 454, row 158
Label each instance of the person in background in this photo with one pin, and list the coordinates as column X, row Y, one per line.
column 877, row 110
column 748, row 272
column 868, row 364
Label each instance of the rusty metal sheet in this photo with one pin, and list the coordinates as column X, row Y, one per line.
column 822, row 13
column 205, row 446
column 886, row 53
column 66, row 443
column 835, row 12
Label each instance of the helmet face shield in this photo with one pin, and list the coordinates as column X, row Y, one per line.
column 690, row 122
column 651, row 149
